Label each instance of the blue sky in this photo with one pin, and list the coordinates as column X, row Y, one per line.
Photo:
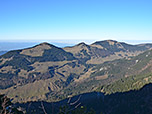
column 80, row 20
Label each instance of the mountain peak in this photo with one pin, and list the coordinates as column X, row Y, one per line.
column 45, row 44
column 37, row 50
column 111, row 42
column 82, row 44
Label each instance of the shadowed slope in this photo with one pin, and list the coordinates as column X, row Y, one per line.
column 131, row 102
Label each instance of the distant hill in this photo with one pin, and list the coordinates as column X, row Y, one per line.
column 37, row 63
column 49, row 73
column 108, row 50
column 44, row 67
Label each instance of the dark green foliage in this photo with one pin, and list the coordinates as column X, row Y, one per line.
column 6, row 84
column 120, row 68
column 126, row 84
column 134, row 47
column 19, row 62
column 60, row 83
column 6, row 80
column 70, row 78
column 54, row 54
column 6, row 75
column 115, row 47
column 59, row 74
column 51, row 71
column 83, row 59
column 72, row 64
column 11, row 54
column 116, row 67
column 111, row 48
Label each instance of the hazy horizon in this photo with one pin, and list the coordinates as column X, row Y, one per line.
column 66, row 23
column 13, row 45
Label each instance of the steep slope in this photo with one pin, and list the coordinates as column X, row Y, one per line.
column 140, row 64
column 133, row 74
column 46, row 72
column 134, row 71
column 131, row 102
column 107, row 50
column 31, row 73
column 85, row 52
